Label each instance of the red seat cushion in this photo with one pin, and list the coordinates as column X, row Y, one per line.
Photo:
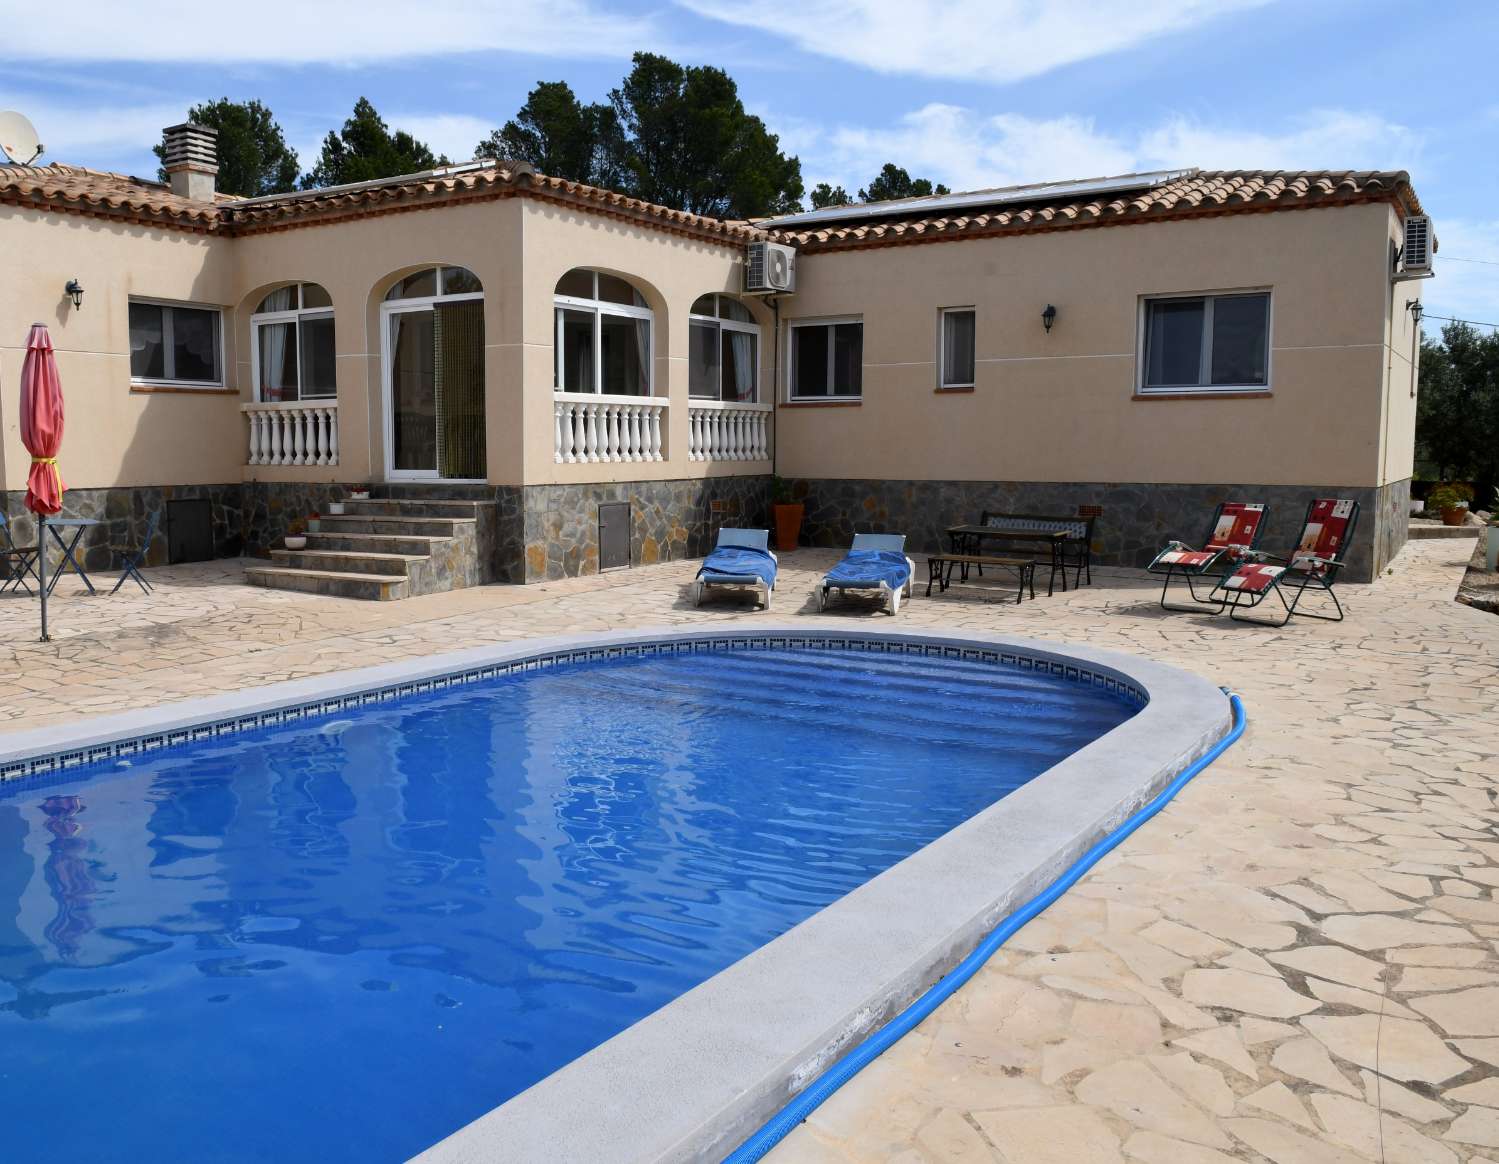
column 1254, row 578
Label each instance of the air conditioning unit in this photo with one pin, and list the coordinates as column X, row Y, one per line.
column 1415, row 256
column 769, row 269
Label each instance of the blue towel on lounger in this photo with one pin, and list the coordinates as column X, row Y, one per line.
column 735, row 563
column 868, row 568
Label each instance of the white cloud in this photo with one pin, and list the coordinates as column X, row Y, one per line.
column 1464, row 288
column 316, row 31
column 1328, row 139
column 966, row 151
column 975, row 40
column 452, row 134
column 78, row 134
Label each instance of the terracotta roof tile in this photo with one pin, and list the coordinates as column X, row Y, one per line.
column 1192, row 193
column 74, row 189
column 81, row 190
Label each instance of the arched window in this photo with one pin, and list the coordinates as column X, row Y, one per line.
column 436, row 283
column 603, row 335
column 723, row 350
column 433, row 326
column 291, row 343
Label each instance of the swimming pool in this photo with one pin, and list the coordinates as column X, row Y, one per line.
column 345, row 936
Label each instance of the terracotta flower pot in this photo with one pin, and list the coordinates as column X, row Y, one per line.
column 1455, row 516
column 788, row 524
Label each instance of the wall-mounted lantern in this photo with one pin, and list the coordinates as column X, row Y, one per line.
column 74, row 291
column 1048, row 317
column 1416, row 310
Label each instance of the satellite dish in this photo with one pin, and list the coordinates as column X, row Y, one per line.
column 19, row 145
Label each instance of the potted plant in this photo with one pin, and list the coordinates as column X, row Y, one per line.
column 1491, row 537
column 359, row 493
column 335, row 508
column 1450, row 501
column 788, row 514
column 314, row 523
column 296, row 530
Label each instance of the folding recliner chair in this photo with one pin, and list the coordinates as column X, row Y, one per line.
column 1325, row 537
column 1235, row 531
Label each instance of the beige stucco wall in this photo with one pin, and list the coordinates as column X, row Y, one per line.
column 1402, row 367
column 356, row 262
column 112, row 435
column 1059, row 406
column 1052, row 406
column 671, row 272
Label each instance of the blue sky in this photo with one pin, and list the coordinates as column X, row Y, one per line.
column 967, row 92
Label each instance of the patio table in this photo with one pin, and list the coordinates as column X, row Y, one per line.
column 56, row 526
column 969, row 539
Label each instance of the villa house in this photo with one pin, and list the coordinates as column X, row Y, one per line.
column 546, row 378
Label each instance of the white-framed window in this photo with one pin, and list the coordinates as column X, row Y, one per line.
column 291, row 345
column 437, row 283
column 604, row 334
column 723, row 350
column 956, row 355
column 178, row 344
column 1205, row 343
column 826, row 359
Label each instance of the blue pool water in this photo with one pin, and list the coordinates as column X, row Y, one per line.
column 345, row 938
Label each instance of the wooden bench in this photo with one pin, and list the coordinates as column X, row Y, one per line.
column 940, row 567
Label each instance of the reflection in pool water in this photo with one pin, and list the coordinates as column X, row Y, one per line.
column 344, row 939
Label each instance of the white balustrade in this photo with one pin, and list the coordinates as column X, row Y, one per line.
column 724, row 431
column 303, row 432
column 589, row 427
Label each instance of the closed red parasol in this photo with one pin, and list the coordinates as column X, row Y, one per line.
column 41, row 433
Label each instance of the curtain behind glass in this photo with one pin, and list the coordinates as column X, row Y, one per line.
column 702, row 361
column 413, row 416
column 957, row 348
column 278, row 361
column 195, row 345
column 1241, row 339
column 147, row 350
column 458, row 343
column 626, row 354
column 1173, row 343
column 848, row 359
column 318, row 362
column 575, row 362
column 738, row 366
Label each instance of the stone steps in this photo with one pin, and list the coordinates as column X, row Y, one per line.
column 411, row 507
column 394, row 523
column 357, row 561
column 336, row 583
column 387, row 548
column 1424, row 531
column 421, row 545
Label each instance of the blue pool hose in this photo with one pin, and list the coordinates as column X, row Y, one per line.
column 805, row 1103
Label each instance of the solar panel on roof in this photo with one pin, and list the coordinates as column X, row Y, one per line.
column 1037, row 192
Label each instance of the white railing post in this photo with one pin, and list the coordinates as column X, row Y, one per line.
column 295, row 433
column 723, row 431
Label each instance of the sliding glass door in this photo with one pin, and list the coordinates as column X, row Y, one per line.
column 434, row 378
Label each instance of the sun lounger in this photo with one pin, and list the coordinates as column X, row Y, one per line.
column 1235, row 531
column 875, row 562
column 742, row 557
column 1325, row 537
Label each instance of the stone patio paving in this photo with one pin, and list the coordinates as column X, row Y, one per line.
column 1298, row 961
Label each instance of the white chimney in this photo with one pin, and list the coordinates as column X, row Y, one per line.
column 192, row 160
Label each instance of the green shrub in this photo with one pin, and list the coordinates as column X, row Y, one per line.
column 1448, row 497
